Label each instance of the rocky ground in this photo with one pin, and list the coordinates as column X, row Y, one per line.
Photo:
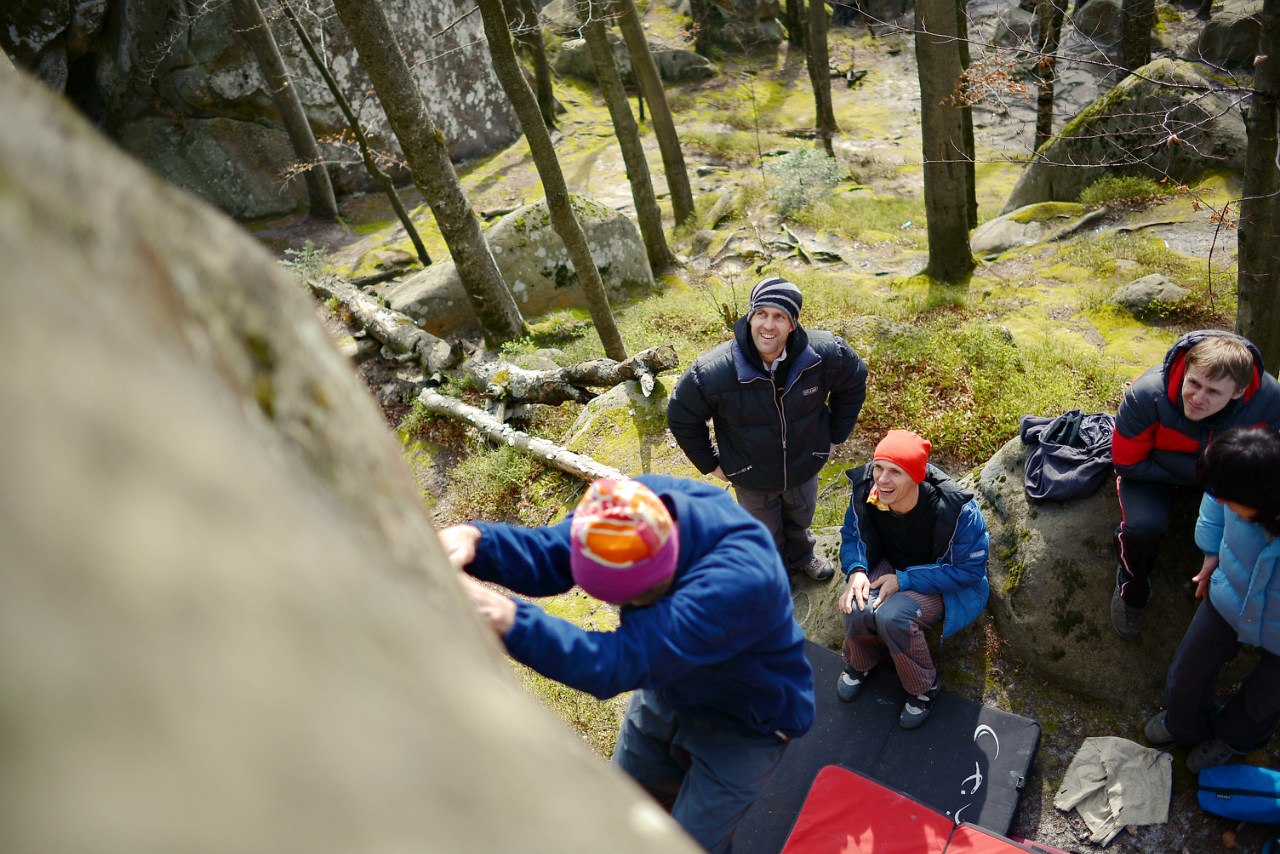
column 886, row 156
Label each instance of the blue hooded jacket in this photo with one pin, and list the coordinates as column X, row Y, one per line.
column 960, row 545
column 722, row 644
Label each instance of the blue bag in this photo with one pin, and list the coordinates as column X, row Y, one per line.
column 1242, row 792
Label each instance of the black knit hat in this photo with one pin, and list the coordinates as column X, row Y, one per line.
column 778, row 293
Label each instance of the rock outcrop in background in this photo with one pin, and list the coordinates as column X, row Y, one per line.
column 535, row 264
column 1128, row 131
column 226, row 623
column 174, row 85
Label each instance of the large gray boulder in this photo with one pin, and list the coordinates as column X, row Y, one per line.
column 535, row 265
column 1052, row 572
column 1025, row 227
column 675, row 65
column 1230, row 38
column 227, row 624
column 1128, row 132
column 163, row 71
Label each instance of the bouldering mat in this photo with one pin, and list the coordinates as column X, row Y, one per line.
column 847, row 813
column 968, row 762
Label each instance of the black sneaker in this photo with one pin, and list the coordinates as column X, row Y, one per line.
column 917, row 708
column 1157, row 729
column 850, row 683
column 1125, row 619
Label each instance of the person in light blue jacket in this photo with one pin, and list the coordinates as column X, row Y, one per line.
column 1237, row 531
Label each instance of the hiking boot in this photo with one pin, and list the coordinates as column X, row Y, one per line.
column 819, row 569
column 1125, row 619
column 1157, row 731
column 1208, row 753
column 850, row 683
column 917, row 708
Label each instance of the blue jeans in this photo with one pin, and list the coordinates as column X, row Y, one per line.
column 705, row 775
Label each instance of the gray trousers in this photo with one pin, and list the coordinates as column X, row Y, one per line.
column 787, row 514
column 898, row 624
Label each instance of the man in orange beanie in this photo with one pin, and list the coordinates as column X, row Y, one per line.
column 913, row 550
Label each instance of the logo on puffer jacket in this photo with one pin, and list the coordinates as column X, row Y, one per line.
column 810, row 391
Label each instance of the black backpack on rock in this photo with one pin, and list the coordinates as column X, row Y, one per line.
column 1070, row 455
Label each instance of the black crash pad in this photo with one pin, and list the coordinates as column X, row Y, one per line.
column 968, row 761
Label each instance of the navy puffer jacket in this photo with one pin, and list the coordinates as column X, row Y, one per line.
column 771, row 432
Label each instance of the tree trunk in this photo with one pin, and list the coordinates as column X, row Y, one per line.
column 553, row 184
column 793, row 19
column 504, row 381
column 578, row 465
column 1258, row 278
column 652, row 90
column 253, row 28
column 381, row 178
column 424, row 149
column 399, row 334
column 820, row 73
column 966, row 114
column 700, row 12
column 1137, row 17
column 946, row 191
column 527, row 29
column 628, row 134
column 1049, row 17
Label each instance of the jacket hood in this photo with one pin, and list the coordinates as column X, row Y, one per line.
column 1175, row 364
column 797, row 342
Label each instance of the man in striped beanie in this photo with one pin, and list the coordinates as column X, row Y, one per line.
column 779, row 399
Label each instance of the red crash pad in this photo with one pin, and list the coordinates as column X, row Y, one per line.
column 847, row 813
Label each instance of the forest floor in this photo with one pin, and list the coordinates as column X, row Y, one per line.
column 880, row 145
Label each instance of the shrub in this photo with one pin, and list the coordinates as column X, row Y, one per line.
column 1124, row 191
column 800, row 176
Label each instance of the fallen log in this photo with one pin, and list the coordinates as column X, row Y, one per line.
column 507, row 382
column 578, row 465
column 401, row 337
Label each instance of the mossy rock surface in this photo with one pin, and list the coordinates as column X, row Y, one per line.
column 1158, row 122
column 1052, row 571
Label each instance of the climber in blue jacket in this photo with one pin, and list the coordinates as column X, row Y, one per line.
column 707, row 639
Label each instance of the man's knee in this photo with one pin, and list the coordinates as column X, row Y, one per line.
column 860, row 622
column 896, row 622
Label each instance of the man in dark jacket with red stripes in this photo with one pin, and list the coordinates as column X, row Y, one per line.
column 1210, row 381
column 780, row 399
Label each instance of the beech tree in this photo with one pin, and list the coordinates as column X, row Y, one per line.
column 428, row 157
column 628, row 135
column 793, row 18
column 1258, row 272
column 251, row 25
column 819, row 63
column 1137, row 17
column 563, row 219
column 652, row 90
column 522, row 18
column 1049, row 18
column 380, row 177
column 947, row 167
